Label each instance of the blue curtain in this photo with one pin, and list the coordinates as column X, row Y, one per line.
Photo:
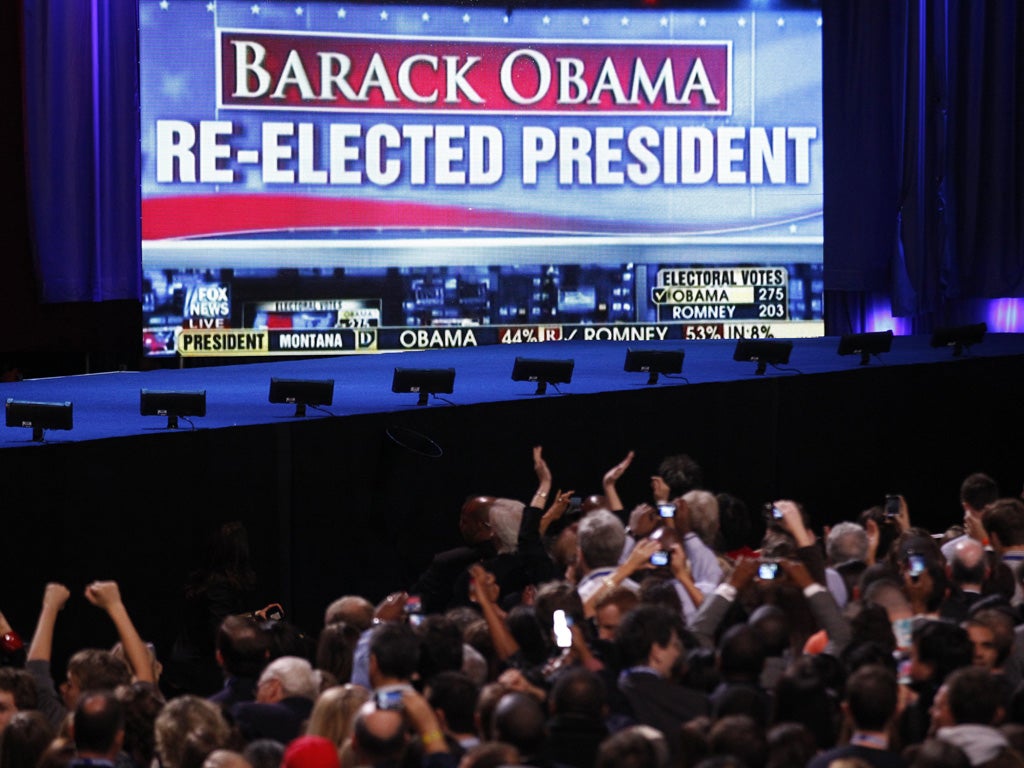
column 986, row 137
column 924, row 190
column 81, row 118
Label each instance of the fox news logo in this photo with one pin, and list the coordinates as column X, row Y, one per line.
column 208, row 301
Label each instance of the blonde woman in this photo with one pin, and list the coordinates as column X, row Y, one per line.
column 333, row 712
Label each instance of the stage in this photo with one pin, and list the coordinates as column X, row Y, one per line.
column 357, row 499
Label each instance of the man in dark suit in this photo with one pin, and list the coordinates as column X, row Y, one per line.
column 242, row 652
column 650, row 643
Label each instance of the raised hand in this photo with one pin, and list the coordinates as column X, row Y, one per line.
column 103, row 594
column 55, row 596
column 613, row 474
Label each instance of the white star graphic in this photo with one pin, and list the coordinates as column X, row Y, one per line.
column 586, row 21
column 546, row 20
column 702, row 22
column 383, row 15
column 818, row 21
column 425, row 16
column 504, row 19
column 164, row 5
column 742, row 21
column 341, row 13
column 664, row 21
column 211, row 7
column 255, row 10
column 624, row 21
column 298, row 10
column 465, row 18
column 781, row 22
column 792, row 229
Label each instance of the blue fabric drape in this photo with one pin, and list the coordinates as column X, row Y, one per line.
column 81, row 118
column 986, row 150
column 924, row 169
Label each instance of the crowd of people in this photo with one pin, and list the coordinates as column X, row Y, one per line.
column 572, row 632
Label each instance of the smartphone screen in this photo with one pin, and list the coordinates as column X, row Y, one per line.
column 767, row 571
column 389, row 699
column 660, row 558
column 563, row 635
column 892, row 505
column 916, row 565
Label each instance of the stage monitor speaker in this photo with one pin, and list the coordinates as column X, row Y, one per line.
column 172, row 405
column 302, row 393
column 654, row 362
column 423, row 382
column 764, row 352
column 960, row 337
column 39, row 416
column 865, row 344
column 543, row 372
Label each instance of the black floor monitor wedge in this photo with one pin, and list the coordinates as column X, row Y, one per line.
column 39, row 416
column 865, row 344
column 173, row 405
column 654, row 362
column 543, row 372
column 424, row 382
column 764, row 352
column 302, row 392
column 960, row 337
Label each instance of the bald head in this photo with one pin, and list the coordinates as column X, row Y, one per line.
column 351, row 609
column 969, row 552
column 968, row 565
column 378, row 734
column 98, row 725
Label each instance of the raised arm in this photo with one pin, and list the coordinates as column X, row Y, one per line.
column 807, row 549
column 484, row 591
column 540, row 497
column 54, row 598
column 423, row 720
column 10, row 643
column 680, row 566
column 638, row 559
column 107, row 595
column 556, row 510
column 704, row 565
column 611, row 477
column 41, row 649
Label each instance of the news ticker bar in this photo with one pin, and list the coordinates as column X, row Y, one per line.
column 253, row 342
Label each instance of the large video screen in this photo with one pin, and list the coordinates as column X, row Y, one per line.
column 331, row 177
